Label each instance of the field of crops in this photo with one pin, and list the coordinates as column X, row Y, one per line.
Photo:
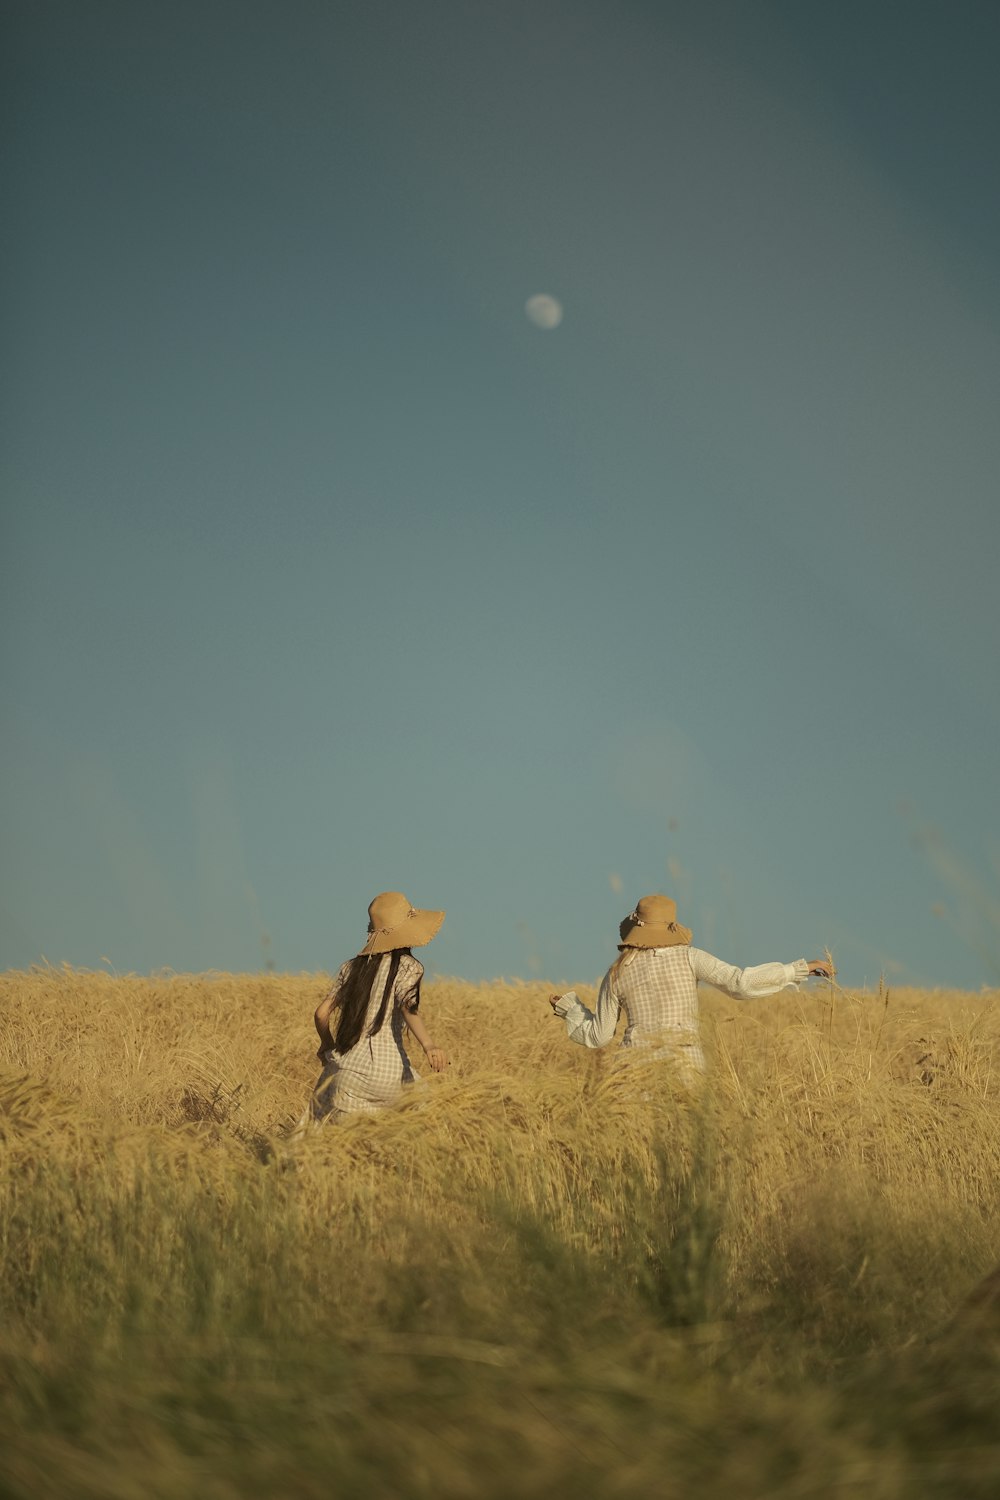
column 549, row 1272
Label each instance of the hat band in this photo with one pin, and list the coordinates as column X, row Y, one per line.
column 377, row 931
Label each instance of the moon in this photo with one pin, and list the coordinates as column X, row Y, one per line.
column 544, row 311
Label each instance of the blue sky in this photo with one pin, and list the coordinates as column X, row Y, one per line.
column 326, row 571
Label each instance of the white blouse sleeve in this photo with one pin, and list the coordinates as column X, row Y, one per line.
column 590, row 1028
column 748, row 984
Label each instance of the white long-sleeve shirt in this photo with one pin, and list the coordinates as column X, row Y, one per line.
column 658, row 990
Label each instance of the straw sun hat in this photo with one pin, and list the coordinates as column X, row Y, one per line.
column 394, row 923
column 653, row 924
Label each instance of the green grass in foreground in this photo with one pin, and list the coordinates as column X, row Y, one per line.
column 545, row 1275
column 175, row 1338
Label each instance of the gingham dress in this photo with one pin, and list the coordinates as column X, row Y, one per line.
column 658, row 991
column 370, row 1075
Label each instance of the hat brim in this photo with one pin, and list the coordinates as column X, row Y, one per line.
column 655, row 935
column 413, row 932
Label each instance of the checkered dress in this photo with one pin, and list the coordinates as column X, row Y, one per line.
column 658, row 991
column 371, row 1074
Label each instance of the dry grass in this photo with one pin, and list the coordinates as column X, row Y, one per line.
column 578, row 1274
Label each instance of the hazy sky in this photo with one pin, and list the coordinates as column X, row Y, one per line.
column 326, row 570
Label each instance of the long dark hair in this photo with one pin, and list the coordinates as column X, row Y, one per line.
column 355, row 994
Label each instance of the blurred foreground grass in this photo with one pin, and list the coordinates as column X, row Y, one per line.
column 546, row 1273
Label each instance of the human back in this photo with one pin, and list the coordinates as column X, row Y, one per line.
column 365, row 988
column 658, row 991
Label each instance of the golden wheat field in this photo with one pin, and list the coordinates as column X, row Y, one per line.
column 547, row 1272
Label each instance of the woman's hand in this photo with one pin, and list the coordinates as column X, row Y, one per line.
column 437, row 1059
column 821, row 968
column 554, row 1000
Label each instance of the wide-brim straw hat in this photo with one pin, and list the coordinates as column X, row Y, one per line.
column 394, row 923
column 653, row 924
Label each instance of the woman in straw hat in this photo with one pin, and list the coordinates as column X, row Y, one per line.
column 655, row 981
column 360, row 1022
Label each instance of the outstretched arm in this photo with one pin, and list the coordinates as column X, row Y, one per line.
column 760, row 980
column 589, row 1028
